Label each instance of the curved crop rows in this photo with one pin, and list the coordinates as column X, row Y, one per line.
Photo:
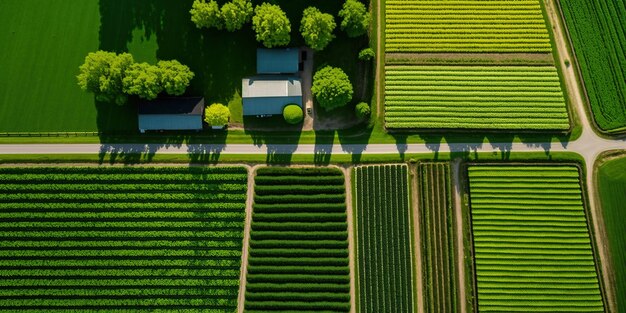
column 438, row 257
column 104, row 239
column 298, row 259
column 531, row 240
column 598, row 31
column 384, row 239
column 474, row 97
column 497, row 26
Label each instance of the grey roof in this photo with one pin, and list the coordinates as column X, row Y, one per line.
column 172, row 105
column 277, row 61
column 271, row 86
column 268, row 95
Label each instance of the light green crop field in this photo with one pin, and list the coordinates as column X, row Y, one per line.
column 612, row 186
column 531, row 240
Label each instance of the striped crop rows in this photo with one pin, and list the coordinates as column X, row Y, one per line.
column 437, row 229
column 383, row 222
column 474, row 97
column 497, row 26
column 121, row 238
column 531, row 240
column 298, row 258
column 598, row 32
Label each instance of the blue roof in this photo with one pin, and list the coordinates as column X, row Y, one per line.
column 170, row 122
column 277, row 61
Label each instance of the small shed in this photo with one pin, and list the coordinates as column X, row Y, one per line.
column 268, row 95
column 175, row 113
column 277, row 61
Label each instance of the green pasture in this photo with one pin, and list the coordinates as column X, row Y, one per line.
column 612, row 186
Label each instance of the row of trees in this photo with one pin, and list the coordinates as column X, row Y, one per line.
column 113, row 77
column 272, row 26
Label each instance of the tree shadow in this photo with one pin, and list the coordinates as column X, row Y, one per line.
column 204, row 153
column 324, row 142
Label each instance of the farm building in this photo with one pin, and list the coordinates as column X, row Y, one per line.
column 268, row 95
column 277, row 61
column 171, row 114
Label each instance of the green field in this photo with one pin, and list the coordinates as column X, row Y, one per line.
column 135, row 239
column 437, row 229
column 612, row 188
column 474, row 97
column 298, row 258
column 532, row 245
column 598, row 32
column 498, row 26
column 383, row 228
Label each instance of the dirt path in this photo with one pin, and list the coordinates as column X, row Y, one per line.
column 473, row 58
column 590, row 138
column 458, row 217
column 380, row 53
column 246, row 239
column 417, row 235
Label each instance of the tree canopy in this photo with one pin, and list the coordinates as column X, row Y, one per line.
column 293, row 114
column 217, row 115
column 332, row 88
column 271, row 25
column 367, row 54
column 237, row 13
column 102, row 73
column 143, row 80
column 206, row 14
column 356, row 20
column 175, row 77
column 362, row 110
column 317, row 28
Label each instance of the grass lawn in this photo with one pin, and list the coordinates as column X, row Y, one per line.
column 612, row 188
column 43, row 43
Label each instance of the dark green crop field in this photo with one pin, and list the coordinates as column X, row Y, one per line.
column 612, row 187
column 133, row 239
column 298, row 258
column 598, row 31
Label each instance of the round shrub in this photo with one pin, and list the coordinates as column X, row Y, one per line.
column 293, row 114
column 362, row 110
column 367, row 54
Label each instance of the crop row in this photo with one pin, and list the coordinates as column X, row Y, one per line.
column 474, row 26
column 298, row 256
column 417, row 97
column 437, row 230
column 598, row 33
column 131, row 238
column 526, row 256
column 384, row 233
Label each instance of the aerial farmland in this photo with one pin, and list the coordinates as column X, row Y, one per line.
column 375, row 156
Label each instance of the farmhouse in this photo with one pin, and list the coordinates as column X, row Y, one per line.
column 268, row 95
column 173, row 113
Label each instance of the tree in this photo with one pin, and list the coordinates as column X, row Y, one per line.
column 206, row 14
column 175, row 77
column 362, row 110
column 367, row 54
column 332, row 88
column 271, row 25
column 217, row 115
column 236, row 14
column 143, row 80
column 293, row 114
column 102, row 73
column 356, row 20
column 317, row 28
